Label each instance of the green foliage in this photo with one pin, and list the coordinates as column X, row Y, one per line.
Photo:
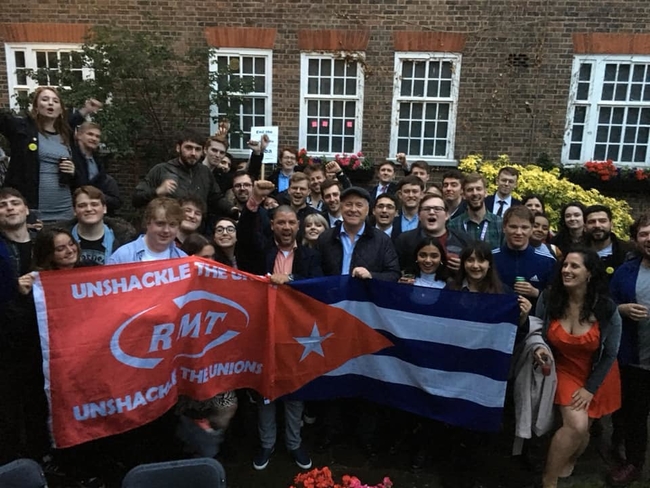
column 556, row 190
column 150, row 89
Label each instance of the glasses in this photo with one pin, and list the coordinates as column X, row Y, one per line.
column 225, row 230
column 435, row 209
column 383, row 206
column 243, row 185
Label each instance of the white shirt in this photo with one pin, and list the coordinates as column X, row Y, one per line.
column 506, row 205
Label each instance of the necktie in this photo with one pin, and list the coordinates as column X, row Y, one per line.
column 500, row 210
column 383, row 189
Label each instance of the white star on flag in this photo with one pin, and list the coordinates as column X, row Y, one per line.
column 313, row 343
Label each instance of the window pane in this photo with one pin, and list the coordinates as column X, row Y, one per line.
column 407, row 69
column 445, row 89
column 574, row 151
column 350, row 109
column 585, row 72
column 259, row 84
column 638, row 74
column 312, row 108
column 338, row 86
column 617, row 115
column 324, row 109
column 260, row 66
column 416, row 111
column 351, row 86
column 431, row 111
column 621, row 93
column 247, row 65
column 406, row 88
column 446, row 70
column 432, row 88
column 443, row 111
column 339, row 67
column 441, row 148
column 351, row 69
column 577, row 133
column 41, row 61
column 635, row 93
column 610, row 72
column 313, row 67
column 579, row 114
column 325, row 86
column 312, row 85
column 418, row 88
column 19, row 59
column 434, row 69
column 608, row 91
column 583, row 91
column 325, row 67
column 623, row 72
column 419, row 69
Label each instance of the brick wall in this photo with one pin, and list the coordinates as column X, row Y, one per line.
column 515, row 69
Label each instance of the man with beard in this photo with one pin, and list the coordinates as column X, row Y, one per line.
column 452, row 192
column 384, row 212
column 316, row 174
column 183, row 176
column 331, row 192
column 433, row 217
column 630, row 289
column 282, row 257
column 242, row 185
column 599, row 237
column 90, row 169
column 409, row 193
column 98, row 236
column 476, row 221
column 297, row 192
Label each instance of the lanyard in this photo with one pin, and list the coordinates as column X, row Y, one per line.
column 484, row 229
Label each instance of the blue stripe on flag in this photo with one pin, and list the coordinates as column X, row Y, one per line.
column 449, row 410
column 486, row 362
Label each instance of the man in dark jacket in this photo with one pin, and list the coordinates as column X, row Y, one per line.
column 355, row 247
column 285, row 260
column 599, row 237
column 89, row 169
column 183, row 176
column 433, row 217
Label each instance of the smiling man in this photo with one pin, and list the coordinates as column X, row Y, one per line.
column 162, row 218
column 280, row 256
column 599, row 237
column 356, row 248
column 298, row 192
column 522, row 267
column 476, row 220
column 98, row 236
column 193, row 212
column 183, row 176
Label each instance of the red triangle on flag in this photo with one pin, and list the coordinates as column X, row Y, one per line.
column 313, row 338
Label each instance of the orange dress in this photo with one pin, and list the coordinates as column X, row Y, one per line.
column 573, row 363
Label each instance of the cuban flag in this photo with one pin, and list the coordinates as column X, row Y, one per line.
column 450, row 356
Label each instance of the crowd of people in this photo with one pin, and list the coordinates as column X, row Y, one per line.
column 589, row 289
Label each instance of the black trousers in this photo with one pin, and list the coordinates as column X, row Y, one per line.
column 635, row 383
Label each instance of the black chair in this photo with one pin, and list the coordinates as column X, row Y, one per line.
column 188, row 473
column 22, row 473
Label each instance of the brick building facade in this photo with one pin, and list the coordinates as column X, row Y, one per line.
column 509, row 64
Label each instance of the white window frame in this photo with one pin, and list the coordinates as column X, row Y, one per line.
column 30, row 49
column 267, row 95
column 456, row 59
column 305, row 97
column 593, row 103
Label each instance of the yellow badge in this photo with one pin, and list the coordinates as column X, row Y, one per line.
column 32, row 146
column 609, row 270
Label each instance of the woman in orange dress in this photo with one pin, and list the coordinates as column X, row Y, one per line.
column 583, row 327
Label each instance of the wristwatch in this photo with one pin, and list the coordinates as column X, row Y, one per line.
column 290, row 276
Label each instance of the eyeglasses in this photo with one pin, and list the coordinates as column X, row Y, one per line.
column 243, row 185
column 436, row 209
column 225, row 230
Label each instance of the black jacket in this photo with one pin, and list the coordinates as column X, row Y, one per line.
column 256, row 249
column 102, row 180
column 391, row 190
column 24, row 168
column 374, row 251
column 489, row 202
column 192, row 180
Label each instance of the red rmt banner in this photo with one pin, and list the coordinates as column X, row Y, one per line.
column 120, row 343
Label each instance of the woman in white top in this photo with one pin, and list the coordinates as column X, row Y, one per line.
column 430, row 265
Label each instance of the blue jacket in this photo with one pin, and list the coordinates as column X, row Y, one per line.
column 535, row 265
column 623, row 290
column 133, row 252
